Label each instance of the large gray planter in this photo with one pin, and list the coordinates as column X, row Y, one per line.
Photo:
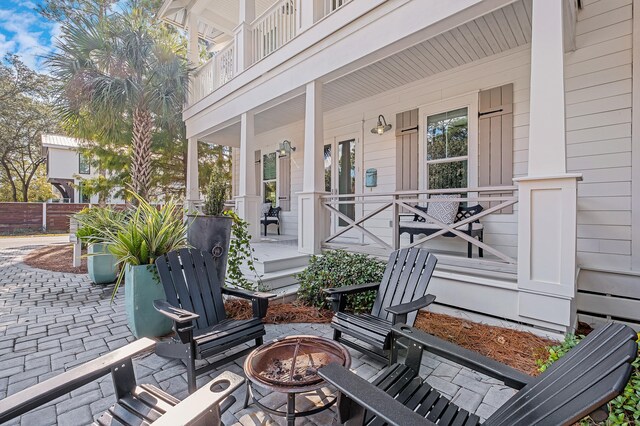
column 212, row 234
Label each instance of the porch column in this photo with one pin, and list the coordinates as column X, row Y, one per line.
column 311, row 215
column 243, row 49
column 548, row 195
column 193, row 187
column 247, row 201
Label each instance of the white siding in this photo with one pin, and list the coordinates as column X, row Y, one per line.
column 598, row 110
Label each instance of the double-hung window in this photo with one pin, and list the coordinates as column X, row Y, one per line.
column 84, row 165
column 447, row 149
column 269, row 182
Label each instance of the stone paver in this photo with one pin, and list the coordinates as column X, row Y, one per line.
column 50, row 322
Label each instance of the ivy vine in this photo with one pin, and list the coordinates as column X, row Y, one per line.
column 240, row 252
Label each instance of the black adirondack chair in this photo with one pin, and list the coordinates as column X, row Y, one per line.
column 401, row 293
column 579, row 384
column 136, row 404
column 195, row 304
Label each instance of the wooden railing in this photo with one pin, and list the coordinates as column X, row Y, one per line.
column 494, row 199
column 214, row 73
column 273, row 29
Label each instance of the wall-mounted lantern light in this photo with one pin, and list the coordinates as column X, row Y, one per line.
column 285, row 148
column 382, row 126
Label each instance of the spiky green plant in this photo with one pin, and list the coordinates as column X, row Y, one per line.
column 149, row 233
column 94, row 223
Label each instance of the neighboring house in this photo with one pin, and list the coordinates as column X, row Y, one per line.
column 525, row 107
column 67, row 167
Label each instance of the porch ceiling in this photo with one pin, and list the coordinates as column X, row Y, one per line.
column 499, row 31
column 216, row 18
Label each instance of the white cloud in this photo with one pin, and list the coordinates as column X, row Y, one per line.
column 24, row 33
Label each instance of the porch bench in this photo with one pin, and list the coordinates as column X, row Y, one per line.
column 418, row 226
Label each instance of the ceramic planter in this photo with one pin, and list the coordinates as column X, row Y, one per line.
column 142, row 287
column 101, row 264
column 212, row 234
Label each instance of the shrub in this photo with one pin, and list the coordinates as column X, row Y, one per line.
column 339, row 268
column 624, row 409
column 216, row 193
column 96, row 222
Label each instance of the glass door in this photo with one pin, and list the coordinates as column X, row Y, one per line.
column 340, row 178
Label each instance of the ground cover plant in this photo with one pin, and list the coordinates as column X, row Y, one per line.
column 338, row 268
column 624, row 409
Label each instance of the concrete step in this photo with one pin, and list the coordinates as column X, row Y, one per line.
column 269, row 263
column 275, row 280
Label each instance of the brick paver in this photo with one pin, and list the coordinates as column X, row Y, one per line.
column 50, row 322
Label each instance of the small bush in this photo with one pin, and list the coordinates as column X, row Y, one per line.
column 339, row 268
column 624, row 409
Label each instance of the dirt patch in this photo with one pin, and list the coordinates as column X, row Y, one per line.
column 56, row 258
column 279, row 313
column 518, row 349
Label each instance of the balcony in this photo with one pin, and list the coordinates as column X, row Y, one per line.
column 272, row 29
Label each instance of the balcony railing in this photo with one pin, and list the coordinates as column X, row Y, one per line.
column 273, row 29
column 397, row 205
column 213, row 73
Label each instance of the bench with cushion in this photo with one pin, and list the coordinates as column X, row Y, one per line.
column 419, row 226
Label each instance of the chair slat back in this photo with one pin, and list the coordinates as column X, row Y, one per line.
column 190, row 281
column 590, row 375
column 405, row 278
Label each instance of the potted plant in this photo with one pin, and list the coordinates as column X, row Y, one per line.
column 136, row 243
column 92, row 226
column 211, row 231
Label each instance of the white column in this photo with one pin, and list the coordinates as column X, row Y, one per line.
column 247, row 201
column 243, row 45
column 548, row 195
column 193, row 186
column 193, row 50
column 311, row 215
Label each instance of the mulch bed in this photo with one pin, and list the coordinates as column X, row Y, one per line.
column 56, row 258
column 518, row 349
column 279, row 313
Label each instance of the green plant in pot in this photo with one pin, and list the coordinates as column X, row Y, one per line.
column 136, row 243
column 93, row 226
column 211, row 231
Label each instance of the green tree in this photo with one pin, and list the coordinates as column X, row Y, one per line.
column 26, row 113
column 121, row 68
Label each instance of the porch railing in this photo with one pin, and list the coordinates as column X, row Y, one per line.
column 214, row 73
column 331, row 6
column 275, row 27
column 494, row 199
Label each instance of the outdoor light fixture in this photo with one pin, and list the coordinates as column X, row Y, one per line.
column 382, row 126
column 286, row 148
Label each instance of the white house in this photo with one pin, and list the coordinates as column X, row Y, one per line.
column 67, row 167
column 525, row 107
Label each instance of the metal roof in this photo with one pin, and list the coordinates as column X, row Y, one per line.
column 59, row 141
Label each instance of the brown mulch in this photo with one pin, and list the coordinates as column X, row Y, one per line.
column 56, row 258
column 279, row 313
column 518, row 349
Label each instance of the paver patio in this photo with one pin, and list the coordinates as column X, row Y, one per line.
column 50, row 322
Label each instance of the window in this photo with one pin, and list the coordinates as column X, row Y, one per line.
column 269, row 191
column 447, row 149
column 84, row 165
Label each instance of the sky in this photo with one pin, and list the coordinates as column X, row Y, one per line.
column 25, row 33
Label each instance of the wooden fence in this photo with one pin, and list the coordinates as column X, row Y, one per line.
column 36, row 217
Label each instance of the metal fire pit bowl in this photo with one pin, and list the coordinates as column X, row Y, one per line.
column 290, row 364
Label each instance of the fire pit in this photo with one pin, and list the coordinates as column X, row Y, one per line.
column 290, row 365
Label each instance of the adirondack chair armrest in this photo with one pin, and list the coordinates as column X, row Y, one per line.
column 39, row 394
column 207, row 403
column 338, row 303
column 259, row 300
column 400, row 312
column 473, row 360
column 179, row 315
column 357, row 394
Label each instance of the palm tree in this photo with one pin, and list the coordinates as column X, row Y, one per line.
column 121, row 69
